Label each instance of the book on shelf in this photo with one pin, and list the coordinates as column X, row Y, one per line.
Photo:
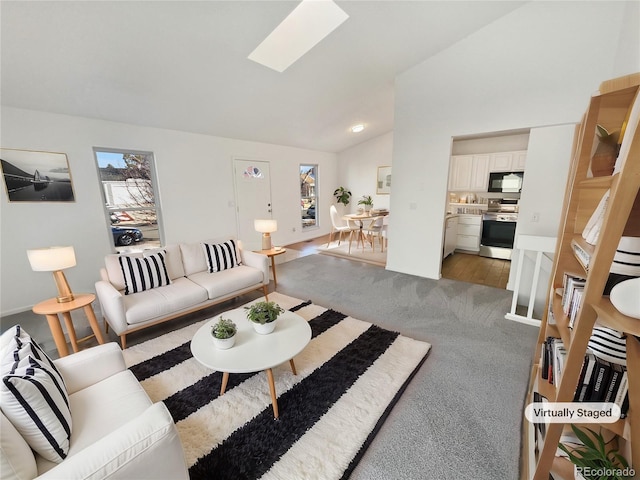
column 601, row 377
column 614, row 382
column 622, row 396
column 572, row 288
column 582, row 255
column 586, row 376
column 560, row 355
column 553, row 358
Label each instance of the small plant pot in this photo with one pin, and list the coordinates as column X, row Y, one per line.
column 264, row 328
column 224, row 343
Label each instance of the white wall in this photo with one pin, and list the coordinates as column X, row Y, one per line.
column 358, row 169
column 536, row 66
column 543, row 191
column 195, row 186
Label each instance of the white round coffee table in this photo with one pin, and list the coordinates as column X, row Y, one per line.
column 253, row 352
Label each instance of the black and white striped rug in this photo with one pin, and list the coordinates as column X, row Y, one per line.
column 349, row 377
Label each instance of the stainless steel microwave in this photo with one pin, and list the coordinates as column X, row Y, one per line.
column 505, row 182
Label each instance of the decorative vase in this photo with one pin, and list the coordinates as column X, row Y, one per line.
column 367, row 208
column 224, row 343
column 604, row 159
column 264, row 328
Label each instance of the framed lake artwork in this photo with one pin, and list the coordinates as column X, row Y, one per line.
column 383, row 185
column 31, row 176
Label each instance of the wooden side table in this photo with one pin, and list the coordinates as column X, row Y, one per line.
column 272, row 255
column 51, row 308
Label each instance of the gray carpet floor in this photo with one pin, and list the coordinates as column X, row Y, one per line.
column 460, row 417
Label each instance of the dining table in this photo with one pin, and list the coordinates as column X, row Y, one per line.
column 359, row 219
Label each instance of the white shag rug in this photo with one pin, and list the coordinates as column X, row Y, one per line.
column 349, row 377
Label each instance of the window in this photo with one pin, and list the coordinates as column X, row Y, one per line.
column 308, row 184
column 128, row 188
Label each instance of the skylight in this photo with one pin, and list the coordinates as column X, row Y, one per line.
column 303, row 29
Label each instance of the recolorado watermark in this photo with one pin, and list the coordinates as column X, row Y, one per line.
column 572, row 412
column 589, row 472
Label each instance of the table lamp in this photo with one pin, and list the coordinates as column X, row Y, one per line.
column 266, row 227
column 54, row 259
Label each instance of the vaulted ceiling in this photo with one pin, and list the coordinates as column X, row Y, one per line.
column 183, row 65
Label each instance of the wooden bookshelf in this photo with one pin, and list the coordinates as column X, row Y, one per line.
column 616, row 107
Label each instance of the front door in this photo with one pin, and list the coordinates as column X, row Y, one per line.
column 253, row 199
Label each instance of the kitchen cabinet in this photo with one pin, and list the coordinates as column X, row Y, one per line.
column 469, row 230
column 469, row 173
column 508, row 161
column 450, row 235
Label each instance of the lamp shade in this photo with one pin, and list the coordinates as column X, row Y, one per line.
column 51, row 259
column 265, row 225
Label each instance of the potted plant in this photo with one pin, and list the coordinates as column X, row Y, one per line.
column 224, row 333
column 367, row 201
column 342, row 195
column 595, row 455
column 263, row 315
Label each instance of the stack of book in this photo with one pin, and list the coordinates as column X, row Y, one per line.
column 600, row 380
column 573, row 288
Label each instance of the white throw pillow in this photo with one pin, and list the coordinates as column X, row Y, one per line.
column 34, row 397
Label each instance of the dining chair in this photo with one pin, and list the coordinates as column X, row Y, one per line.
column 385, row 232
column 337, row 226
column 373, row 230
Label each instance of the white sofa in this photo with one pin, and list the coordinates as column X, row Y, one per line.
column 117, row 432
column 192, row 287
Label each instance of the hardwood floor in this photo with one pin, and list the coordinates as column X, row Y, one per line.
column 309, row 247
column 492, row 272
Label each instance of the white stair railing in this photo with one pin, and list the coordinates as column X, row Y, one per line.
column 539, row 245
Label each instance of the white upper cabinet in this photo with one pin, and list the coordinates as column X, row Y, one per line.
column 519, row 160
column 469, row 173
column 508, row 161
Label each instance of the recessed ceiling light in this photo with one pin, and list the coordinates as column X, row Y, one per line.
column 357, row 128
column 304, row 28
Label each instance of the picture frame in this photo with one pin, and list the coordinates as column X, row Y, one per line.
column 383, row 180
column 35, row 176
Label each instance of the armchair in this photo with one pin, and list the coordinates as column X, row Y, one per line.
column 117, row 432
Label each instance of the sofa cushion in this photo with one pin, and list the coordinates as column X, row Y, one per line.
column 33, row 395
column 16, row 457
column 193, row 257
column 221, row 256
column 144, row 273
column 158, row 302
column 228, row 281
column 173, row 262
column 100, row 409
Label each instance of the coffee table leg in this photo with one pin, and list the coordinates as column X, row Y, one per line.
column 293, row 367
column 272, row 389
column 225, row 379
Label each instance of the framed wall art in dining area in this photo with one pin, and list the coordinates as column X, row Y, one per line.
column 383, row 182
column 32, row 176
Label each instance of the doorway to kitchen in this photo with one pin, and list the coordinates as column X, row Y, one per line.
column 492, row 272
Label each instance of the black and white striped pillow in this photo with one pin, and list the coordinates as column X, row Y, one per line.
column 34, row 398
column 221, row 256
column 144, row 273
column 609, row 345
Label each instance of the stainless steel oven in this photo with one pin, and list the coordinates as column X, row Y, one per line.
column 498, row 234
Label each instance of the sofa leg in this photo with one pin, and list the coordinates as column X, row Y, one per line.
column 266, row 292
column 123, row 341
